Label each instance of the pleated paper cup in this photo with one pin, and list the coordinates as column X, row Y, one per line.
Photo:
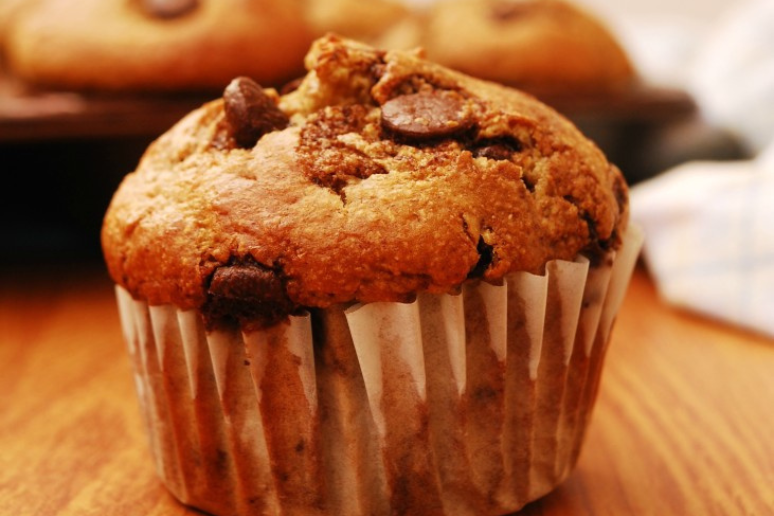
column 469, row 404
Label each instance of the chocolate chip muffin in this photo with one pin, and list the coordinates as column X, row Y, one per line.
column 388, row 291
column 547, row 47
column 156, row 45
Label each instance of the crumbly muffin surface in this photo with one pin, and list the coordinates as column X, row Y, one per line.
column 380, row 176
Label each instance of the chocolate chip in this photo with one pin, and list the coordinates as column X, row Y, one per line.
column 168, row 8
column 596, row 249
column 528, row 183
column 500, row 149
column 485, row 257
column 250, row 112
column 246, row 293
column 494, row 152
column 426, row 115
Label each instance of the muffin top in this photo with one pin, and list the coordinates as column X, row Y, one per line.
column 381, row 175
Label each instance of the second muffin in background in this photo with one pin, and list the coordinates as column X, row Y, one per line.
column 155, row 45
column 546, row 47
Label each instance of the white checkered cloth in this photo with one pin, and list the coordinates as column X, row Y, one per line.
column 709, row 238
column 732, row 77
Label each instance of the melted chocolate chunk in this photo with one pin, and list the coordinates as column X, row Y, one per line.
column 494, row 152
column 250, row 112
column 528, row 183
column 597, row 249
column 486, row 255
column 168, row 8
column 426, row 116
column 248, row 294
column 500, row 149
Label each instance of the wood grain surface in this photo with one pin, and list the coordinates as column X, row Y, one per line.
column 684, row 424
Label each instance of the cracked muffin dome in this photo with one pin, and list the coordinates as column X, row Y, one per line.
column 380, row 176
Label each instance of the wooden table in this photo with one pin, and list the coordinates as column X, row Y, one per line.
column 684, row 424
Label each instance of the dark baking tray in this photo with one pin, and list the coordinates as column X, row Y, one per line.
column 29, row 114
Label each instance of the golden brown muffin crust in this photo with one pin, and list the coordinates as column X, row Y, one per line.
column 393, row 176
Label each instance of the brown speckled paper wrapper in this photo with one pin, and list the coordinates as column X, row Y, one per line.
column 473, row 404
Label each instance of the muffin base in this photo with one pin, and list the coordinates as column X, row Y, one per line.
column 473, row 404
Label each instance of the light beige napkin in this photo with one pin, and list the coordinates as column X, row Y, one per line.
column 709, row 238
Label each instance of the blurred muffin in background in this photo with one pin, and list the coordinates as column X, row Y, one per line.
column 546, row 47
column 156, row 45
column 10, row 9
column 364, row 20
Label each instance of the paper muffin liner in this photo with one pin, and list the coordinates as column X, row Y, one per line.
column 469, row 404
